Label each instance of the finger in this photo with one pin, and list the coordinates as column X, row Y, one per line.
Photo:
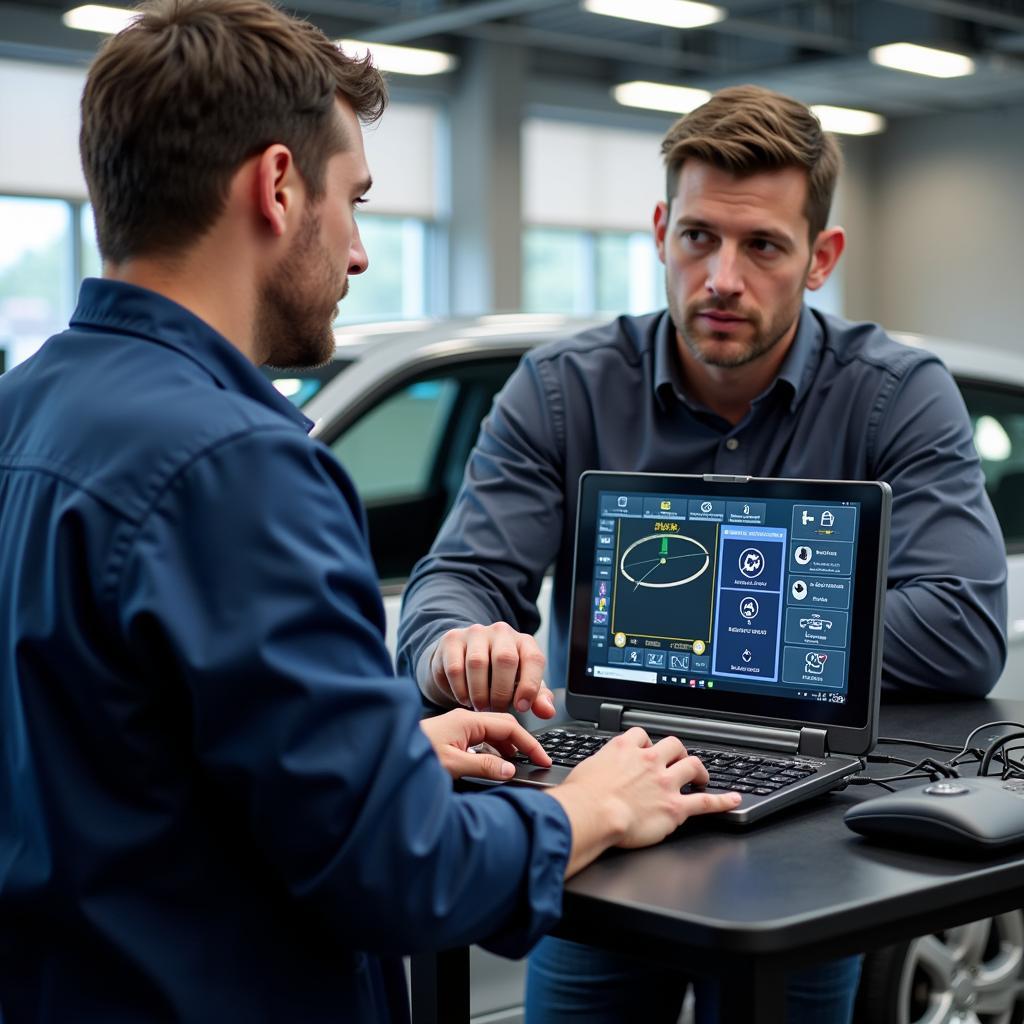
column 669, row 749
column 544, row 705
column 709, row 803
column 480, row 766
column 635, row 737
column 531, row 673
column 505, row 733
column 689, row 770
column 504, row 665
column 449, row 664
column 478, row 668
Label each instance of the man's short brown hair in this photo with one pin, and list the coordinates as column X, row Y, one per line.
column 178, row 101
column 747, row 130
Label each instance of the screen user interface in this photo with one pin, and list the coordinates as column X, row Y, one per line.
column 714, row 594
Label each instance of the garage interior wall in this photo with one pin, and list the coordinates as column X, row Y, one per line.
column 39, row 120
column 933, row 206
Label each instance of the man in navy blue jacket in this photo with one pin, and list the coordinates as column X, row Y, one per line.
column 216, row 802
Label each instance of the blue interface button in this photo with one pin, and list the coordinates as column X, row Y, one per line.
column 821, row 557
column 701, row 664
column 745, row 512
column 621, row 504
column 805, row 667
column 818, row 592
column 747, row 643
column 664, row 508
column 615, row 655
column 707, row 510
column 633, row 656
column 678, row 662
column 754, row 564
column 655, row 659
column 815, row 627
column 824, row 523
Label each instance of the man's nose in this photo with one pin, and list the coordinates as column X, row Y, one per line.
column 724, row 271
column 358, row 261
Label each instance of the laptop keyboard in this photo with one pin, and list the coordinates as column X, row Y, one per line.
column 741, row 772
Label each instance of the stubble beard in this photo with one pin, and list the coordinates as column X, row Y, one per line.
column 724, row 349
column 298, row 304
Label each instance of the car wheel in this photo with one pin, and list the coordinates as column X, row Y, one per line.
column 968, row 975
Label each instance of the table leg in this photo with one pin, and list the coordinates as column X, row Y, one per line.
column 753, row 994
column 440, row 987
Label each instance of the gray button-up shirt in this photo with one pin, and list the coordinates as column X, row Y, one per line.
column 848, row 403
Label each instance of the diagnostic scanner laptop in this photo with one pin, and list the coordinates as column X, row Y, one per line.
column 742, row 615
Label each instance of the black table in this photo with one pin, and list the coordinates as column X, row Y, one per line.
column 794, row 890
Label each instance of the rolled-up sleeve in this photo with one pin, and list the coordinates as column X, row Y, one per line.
column 503, row 531
column 249, row 588
column 945, row 616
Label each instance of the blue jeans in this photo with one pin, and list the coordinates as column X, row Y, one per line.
column 567, row 982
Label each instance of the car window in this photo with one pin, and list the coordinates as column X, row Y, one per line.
column 997, row 419
column 390, row 452
column 301, row 384
column 407, row 452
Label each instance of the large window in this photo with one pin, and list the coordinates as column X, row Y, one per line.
column 394, row 287
column 566, row 270
column 37, row 272
column 47, row 246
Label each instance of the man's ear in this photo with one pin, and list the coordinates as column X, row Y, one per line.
column 278, row 187
column 825, row 253
column 660, row 228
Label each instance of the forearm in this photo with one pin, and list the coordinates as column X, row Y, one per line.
column 945, row 616
column 595, row 826
column 937, row 639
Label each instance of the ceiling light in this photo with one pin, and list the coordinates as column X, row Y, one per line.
column 847, row 121
column 674, row 13
column 922, row 60
column 401, row 60
column 97, row 18
column 676, row 99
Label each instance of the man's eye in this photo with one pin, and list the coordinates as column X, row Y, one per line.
column 762, row 245
column 361, row 201
column 695, row 236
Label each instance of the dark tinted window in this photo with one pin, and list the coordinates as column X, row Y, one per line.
column 407, row 454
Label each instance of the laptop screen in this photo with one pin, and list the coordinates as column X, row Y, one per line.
column 755, row 596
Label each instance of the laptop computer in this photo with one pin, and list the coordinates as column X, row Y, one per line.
column 742, row 615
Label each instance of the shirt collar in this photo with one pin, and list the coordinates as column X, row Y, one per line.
column 796, row 371
column 127, row 308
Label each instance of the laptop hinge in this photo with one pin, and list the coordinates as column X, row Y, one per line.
column 813, row 742
column 711, row 730
column 609, row 717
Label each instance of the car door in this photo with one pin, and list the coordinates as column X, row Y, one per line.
column 406, row 451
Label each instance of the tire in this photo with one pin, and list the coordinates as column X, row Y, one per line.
column 967, row 975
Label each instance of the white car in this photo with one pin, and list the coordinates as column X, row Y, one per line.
column 401, row 405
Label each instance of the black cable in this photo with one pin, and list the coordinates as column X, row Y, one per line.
column 865, row 780
column 896, row 740
column 990, row 753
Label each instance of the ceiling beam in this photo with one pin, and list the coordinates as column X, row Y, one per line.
column 593, row 46
column 789, row 35
column 972, row 11
column 457, row 19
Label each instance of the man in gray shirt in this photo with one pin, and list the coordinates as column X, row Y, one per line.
column 737, row 376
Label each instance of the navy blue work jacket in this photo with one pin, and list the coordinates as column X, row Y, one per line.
column 216, row 803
